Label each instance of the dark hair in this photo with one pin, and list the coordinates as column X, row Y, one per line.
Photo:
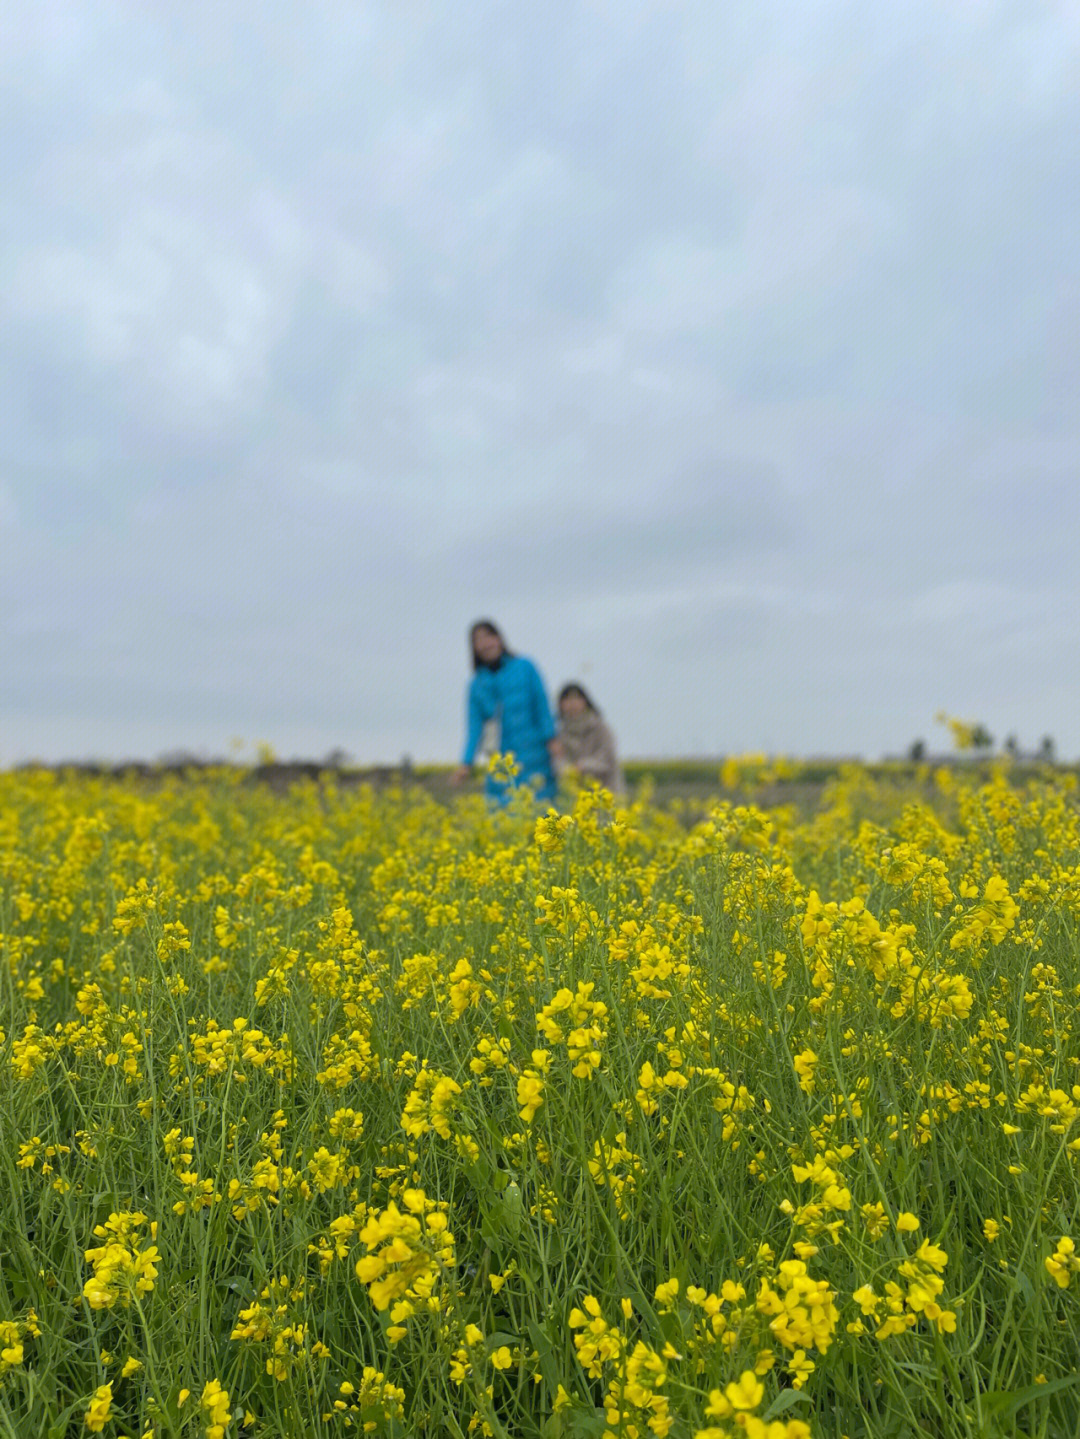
column 477, row 662
column 573, row 688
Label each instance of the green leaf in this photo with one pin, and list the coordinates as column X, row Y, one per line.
column 498, row 1338
column 554, row 1247
column 512, row 1209
column 785, row 1400
column 545, row 1349
column 1000, row 1403
column 580, row 1424
column 1023, row 1283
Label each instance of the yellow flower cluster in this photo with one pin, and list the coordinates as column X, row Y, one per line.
column 100, row 1408
column 802, row 1311
column 576, row 1020
column 13, row 1336
column 372, row 1405
column 214, row 1403
column 407, row 1254
column 749, row 1116
column 122, row 1271
column 271, row 1322
column 1063, row 1263
column 899, row 1309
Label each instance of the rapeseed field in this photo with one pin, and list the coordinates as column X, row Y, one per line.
column 338, row 1112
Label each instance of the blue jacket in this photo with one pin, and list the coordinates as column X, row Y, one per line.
column 514, row 695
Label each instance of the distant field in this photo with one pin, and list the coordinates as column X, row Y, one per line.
column 768, row 781
column 329, row 1107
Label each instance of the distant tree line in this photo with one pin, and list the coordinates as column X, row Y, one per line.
column 973, row 737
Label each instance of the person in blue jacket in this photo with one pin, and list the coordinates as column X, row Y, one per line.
column 506, row 688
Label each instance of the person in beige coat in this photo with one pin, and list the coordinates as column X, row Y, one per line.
column 586, row 742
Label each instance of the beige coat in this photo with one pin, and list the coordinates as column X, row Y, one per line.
column 588, row 746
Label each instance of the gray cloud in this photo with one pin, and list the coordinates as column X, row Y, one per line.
column 730, row 357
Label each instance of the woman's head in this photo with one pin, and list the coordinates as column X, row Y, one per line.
column 574, row 700
column 488, row 645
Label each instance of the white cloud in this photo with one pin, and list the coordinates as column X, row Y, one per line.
column 792, row 237
column 603, row 354
column 979, row 604
column 9, row 510
column 195, row 270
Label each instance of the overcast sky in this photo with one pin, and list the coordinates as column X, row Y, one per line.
column 727, row 355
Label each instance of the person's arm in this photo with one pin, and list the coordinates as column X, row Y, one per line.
column 542, row 716
column 610, row 758
column 474, row 729
column 541, row 710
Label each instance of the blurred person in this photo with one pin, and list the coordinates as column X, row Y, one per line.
column 508, row 711
column 586, row 742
